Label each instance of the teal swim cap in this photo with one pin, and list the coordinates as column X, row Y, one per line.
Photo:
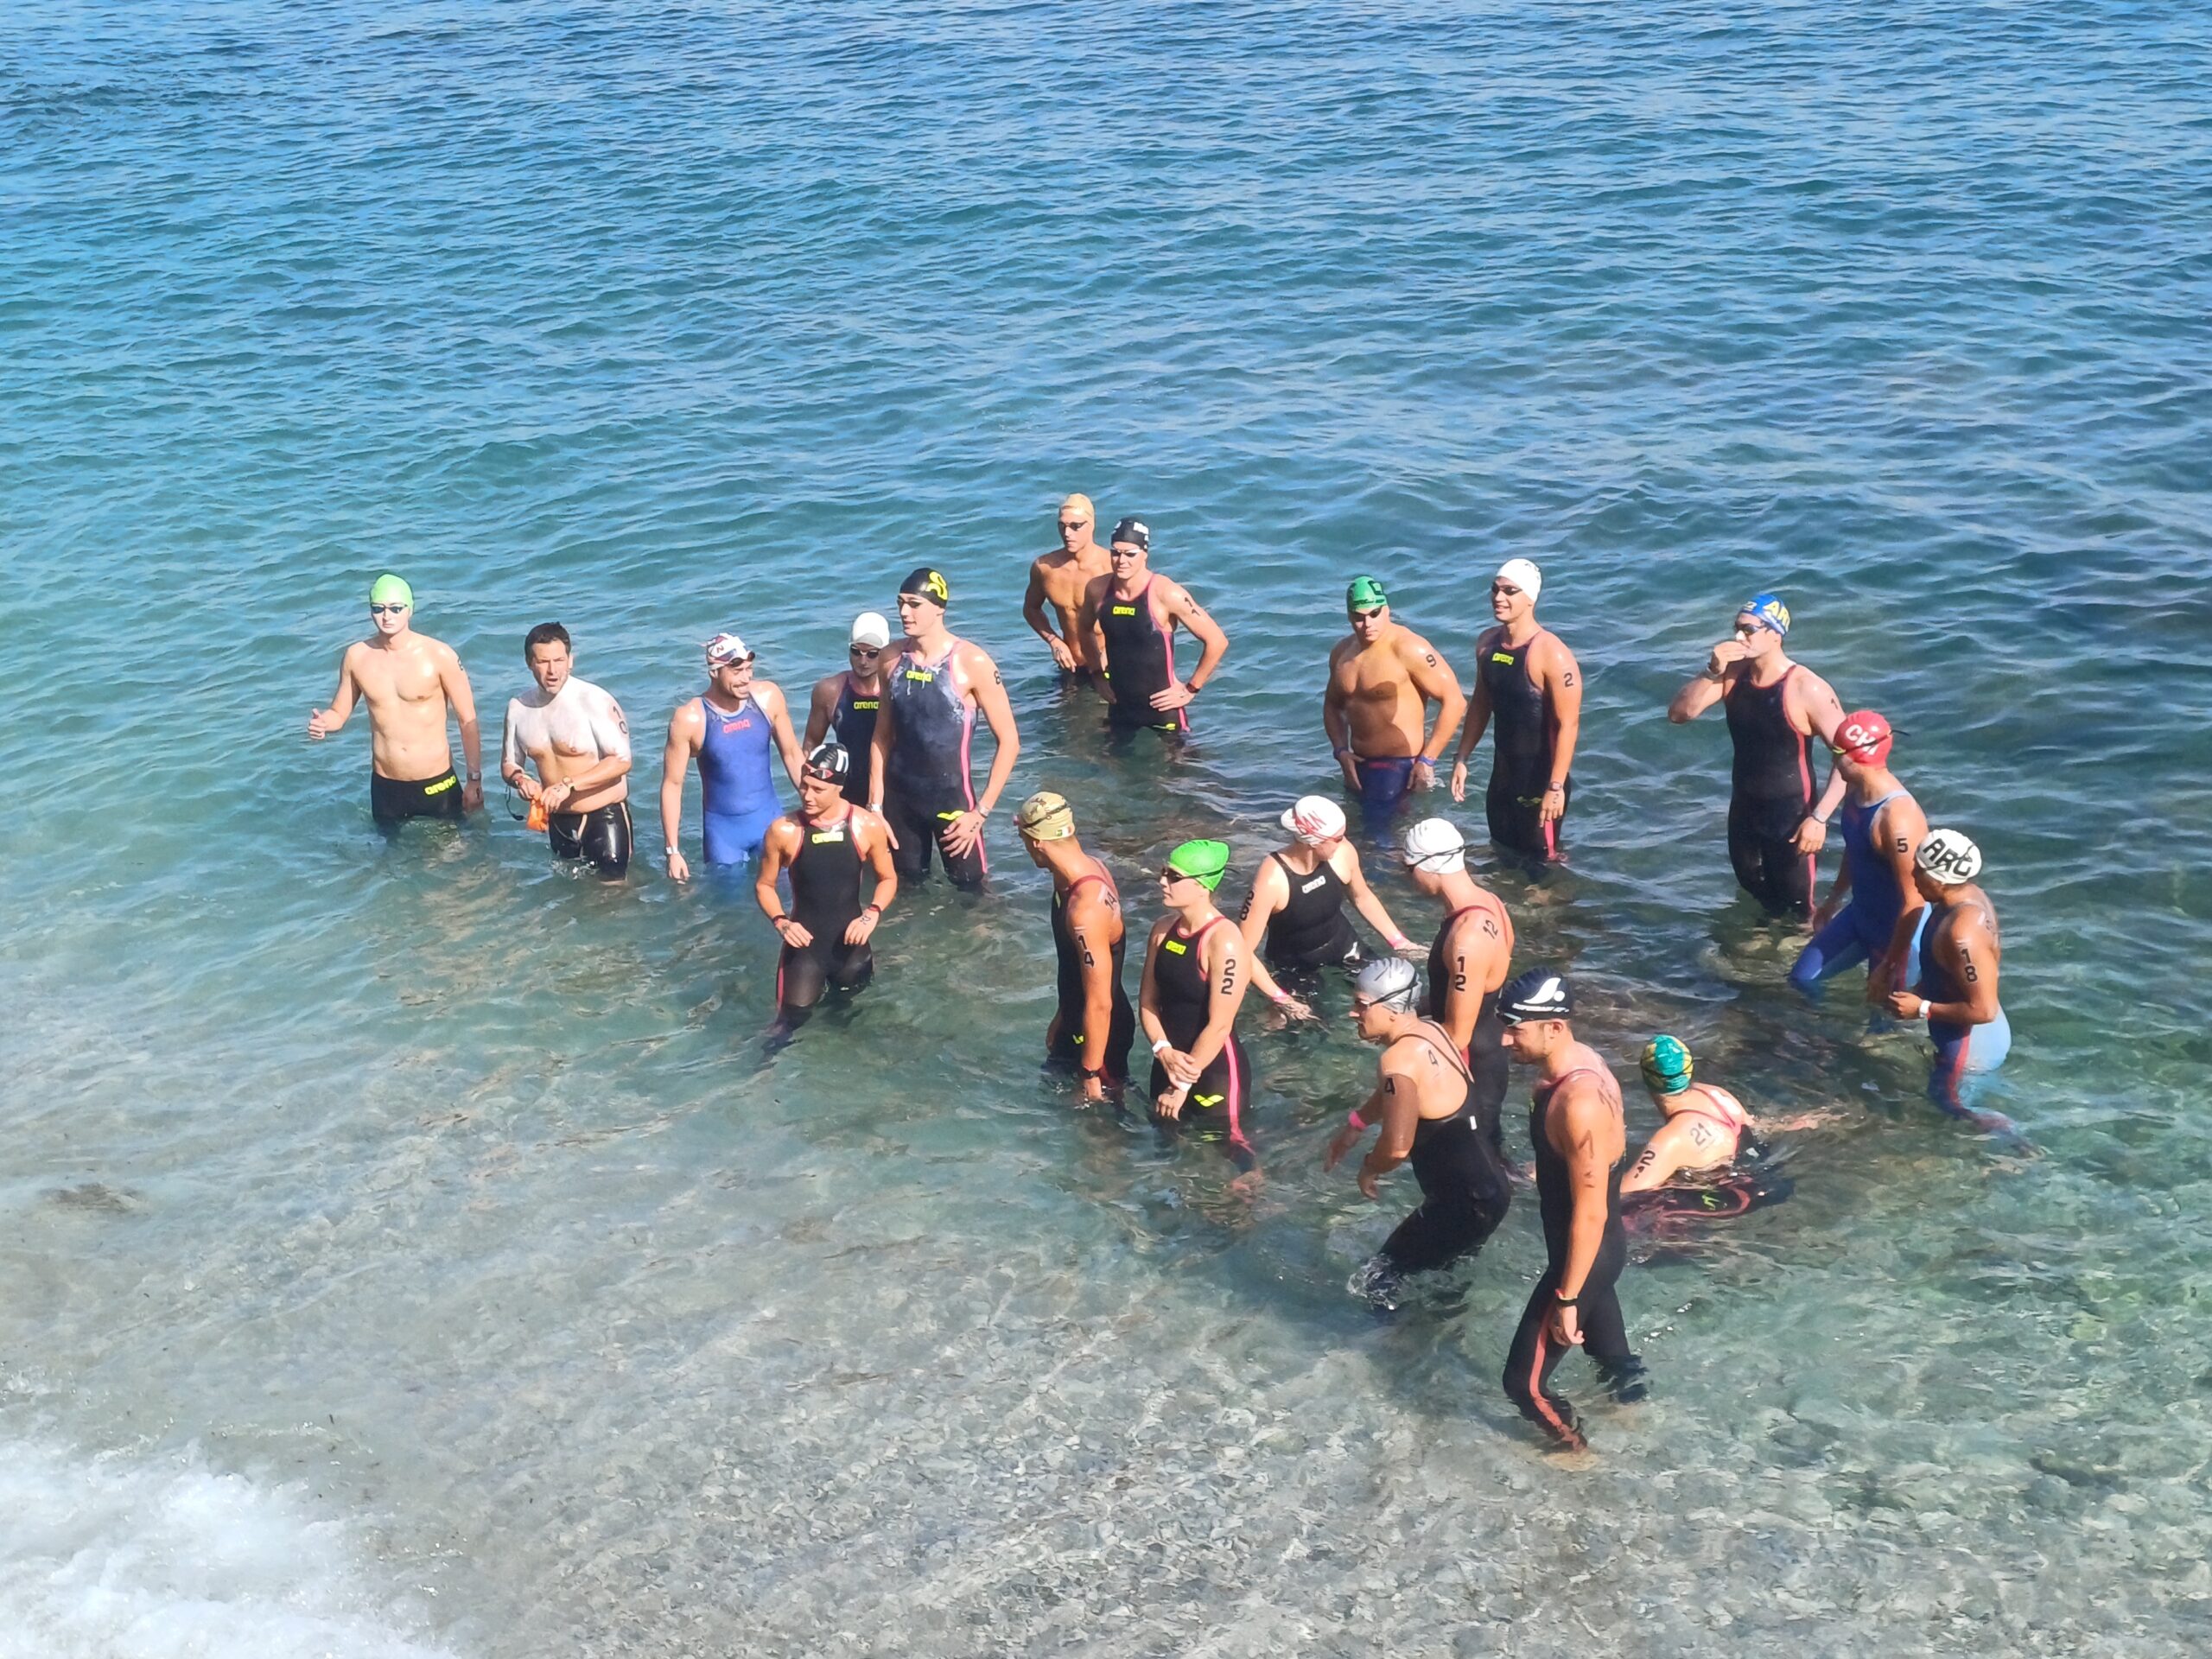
column 1666, row 1065
column 1205, row 861
column 388, row 588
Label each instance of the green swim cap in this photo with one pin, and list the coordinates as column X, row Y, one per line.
column 1666, row 1065
column 389, row 587
column 1365, row 594
column 1203, row 862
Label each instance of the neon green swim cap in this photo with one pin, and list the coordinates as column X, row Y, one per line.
column 1666, row 1065
column 1365, row 594
column 388, row 589
column 1205, row 861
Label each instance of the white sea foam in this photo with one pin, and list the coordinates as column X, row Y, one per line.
column 169, row 1559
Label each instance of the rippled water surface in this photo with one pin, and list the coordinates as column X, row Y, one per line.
column 409, row 1249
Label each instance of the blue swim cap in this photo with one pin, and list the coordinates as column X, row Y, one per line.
column 1666, row 1065
column 1769, row 608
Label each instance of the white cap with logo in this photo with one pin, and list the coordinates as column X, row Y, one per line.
column 1314, row 819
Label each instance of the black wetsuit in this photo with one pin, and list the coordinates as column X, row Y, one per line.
column 1311, row 930
column 1066, row 1041
column 1139, row 661
column 853, row 724
column 1534, row 1356
column 392, row 801
column 1464, row 1190
column 827, row 873
column 1489, row 1065
column 601, row 836
column 1219, row 1097
column 1523, row 737
column 925, row 781
column 1770, row 793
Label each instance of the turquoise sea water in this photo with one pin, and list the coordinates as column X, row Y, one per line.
column 409, row 1250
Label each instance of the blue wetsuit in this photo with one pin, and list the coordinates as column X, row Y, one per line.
column 1862, row 928
column 736, row 798
column 1961, row 1052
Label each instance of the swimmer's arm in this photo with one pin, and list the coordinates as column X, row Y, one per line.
column 818, row 710
column 512, row 757
column 1661, row 1159
column 878, row 747
column 324, row 722
column 998, row 710
column 772, row 855
column 1148, row 992
column 1699, row 694
column 675, row 762
column 1974, row 964
column 1088, row 928
column 1270, row 888
column 1477, row 707
column 771, row 699
column 1336, row 724
column 1213, row 644
column 879, row 865
column 1033, row 612
column 454, row 679
column 1365, row 902
column 1902, row 829
column 1093, row 642
column 1839, row 891
column 1228, row 977
column 610, row 735
column 1580, row 1124
column 1398, row 1108
column 1434, row 680
column 1564, row 681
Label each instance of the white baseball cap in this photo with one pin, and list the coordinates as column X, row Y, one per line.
column 870, row 629
column 1314, row 819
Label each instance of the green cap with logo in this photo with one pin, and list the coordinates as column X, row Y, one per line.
column 1365, row 594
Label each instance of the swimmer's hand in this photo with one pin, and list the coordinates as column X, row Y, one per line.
column 321, row 724
column 527, row 787
column 1424, row 773
column 962, row 832
column 1061, row 655
column 1182, row 1071
column 1554, row 803
column 1174, row 697
column 875, row 811
column 1294, row 1006
column 678, row 869
column 797, row 935
column 1407, row 949
column 1339, row 1143
column 1170, row 1105
column 1902, row 1004
column 557, row 796
column 1825, row 912
column 1812, row 836
column 1882, row 978
column 862, row 926
column 1566, row 1325
column 1351, row 764
column 472, row 796
column 1458, row 780
column 1093, row 1088
column 1370, row 1184
column 1728, row 651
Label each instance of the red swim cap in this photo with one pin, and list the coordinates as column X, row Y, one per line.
column 1864, row 737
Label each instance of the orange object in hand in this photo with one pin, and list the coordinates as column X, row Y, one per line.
column 537, row 822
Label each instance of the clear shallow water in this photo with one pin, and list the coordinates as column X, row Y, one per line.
column 437, row 1213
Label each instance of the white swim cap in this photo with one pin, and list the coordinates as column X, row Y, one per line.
column 725, row 648
column 870, row 629
column 1523, row 575
column 1947, row 858
column 1314, row 819
column 1390, row 981
column 1436, row 844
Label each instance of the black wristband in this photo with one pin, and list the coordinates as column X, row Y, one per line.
column 1567, row 1301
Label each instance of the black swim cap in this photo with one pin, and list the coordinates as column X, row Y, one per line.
column 1133, row 533
column 1540, row 994
column 829, row 762
column 929, row 584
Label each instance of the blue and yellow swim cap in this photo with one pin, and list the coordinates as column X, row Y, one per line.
column 1666, row 1065
column 1769, row 608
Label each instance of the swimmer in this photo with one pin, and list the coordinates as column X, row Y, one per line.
column 1468, row 964
column 729, row 726
column 1196, row 969
column 830, row 848
column 1381, row 682
column 1529, row 680
column 1057, row 581
column 574, row 734
column 409, row 682
column 1873, row 910
column 844, row 705
column 1704, row 1132
column 1127, row 626
column 1094, row 1025
column 1423, row 1101
column 1298, row 903
column 1956, row 992
column 1773, row 706
column 919, row 778
column 1581, row 1140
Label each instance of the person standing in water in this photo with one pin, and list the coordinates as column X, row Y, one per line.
column 845, row 706
column 831, row 849
column 1873, row 911
column 410, row 682
column 1530, row 682
column 1423, row 1101
column 729, row 726
column 1053, row 605
column 919, row 777
column 1297, row 903
column 1581, row 1140
column 1127, row 626
column 574, row 734
column 1956, row 991
column 1093, row 1024
column 1381, row 682
column 1467, row 964
column 1196, row 972
column 1773, row 706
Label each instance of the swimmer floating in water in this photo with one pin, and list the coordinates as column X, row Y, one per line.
column 1423, row 1101
column 1706, row 1130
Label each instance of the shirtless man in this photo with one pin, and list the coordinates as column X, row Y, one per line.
column 845, row 705
column 1468, row 964
column 1127, row 626
column 1057, row 581
column 730, row 728
column 1773, row 705
column 1956, row 992
column 574, row 734
column 409, row 681
column 919, row 775
column 1529, row 680
column 1381, row 682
